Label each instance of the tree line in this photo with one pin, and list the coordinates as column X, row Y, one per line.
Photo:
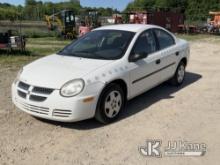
column 36, row 10
column 194, row 10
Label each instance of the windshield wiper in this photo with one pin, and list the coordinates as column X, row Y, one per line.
column 93, row 55
column 68, row 54
column 102, row 57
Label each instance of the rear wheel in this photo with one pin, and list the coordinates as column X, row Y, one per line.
column 179, row 76
column 110, row 104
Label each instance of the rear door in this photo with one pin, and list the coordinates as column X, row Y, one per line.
column 144, row 73
column 168, row 54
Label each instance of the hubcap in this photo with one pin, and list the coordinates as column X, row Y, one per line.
column 113, row 103
column 180, row 73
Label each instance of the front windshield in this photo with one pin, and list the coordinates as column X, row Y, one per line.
column 100, row 44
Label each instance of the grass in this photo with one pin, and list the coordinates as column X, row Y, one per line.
column 15, row 61
column 197, row 37
column 36, row 48
column 45, row 46
column 47, row 41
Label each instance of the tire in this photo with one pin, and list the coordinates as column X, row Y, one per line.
column 110, row 105
column 179, row 75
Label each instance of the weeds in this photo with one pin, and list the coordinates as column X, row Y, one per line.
column 36, row 48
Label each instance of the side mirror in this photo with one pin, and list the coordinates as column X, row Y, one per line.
column 137, row 56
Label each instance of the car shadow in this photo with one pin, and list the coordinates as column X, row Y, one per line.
column 138, row 104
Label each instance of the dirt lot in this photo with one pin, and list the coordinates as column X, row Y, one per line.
column 190, row 113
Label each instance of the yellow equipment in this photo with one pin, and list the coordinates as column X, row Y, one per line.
column 64, row 22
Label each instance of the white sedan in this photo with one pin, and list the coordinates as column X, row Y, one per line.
column 95, row 75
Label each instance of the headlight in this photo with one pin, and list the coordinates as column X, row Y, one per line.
column 72, row 88
column 18, row 76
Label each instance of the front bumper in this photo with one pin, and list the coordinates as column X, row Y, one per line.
column 56, row 107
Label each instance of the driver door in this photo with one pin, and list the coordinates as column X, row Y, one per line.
column 143, row 73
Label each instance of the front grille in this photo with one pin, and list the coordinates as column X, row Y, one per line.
column 35, row 109
column 61, row 113
column 22, row 94
column 33, row 93
column 23, row 85
column 42, row 90
column 37, row 98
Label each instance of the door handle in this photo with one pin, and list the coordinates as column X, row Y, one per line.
column 177, row 53
column 158, row 61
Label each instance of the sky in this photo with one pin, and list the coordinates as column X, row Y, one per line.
column 119, row 4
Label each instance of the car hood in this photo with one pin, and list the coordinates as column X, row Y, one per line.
column 55, row 70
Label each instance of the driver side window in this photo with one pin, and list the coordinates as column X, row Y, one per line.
column 146, row 43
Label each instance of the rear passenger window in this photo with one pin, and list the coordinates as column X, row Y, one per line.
column 165, row 39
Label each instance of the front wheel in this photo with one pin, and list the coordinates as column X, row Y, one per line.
column 179, row 76
column 110, row 104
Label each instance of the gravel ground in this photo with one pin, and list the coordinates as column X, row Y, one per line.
column 190, row 113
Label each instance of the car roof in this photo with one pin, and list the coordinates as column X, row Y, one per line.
column 128, row 27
